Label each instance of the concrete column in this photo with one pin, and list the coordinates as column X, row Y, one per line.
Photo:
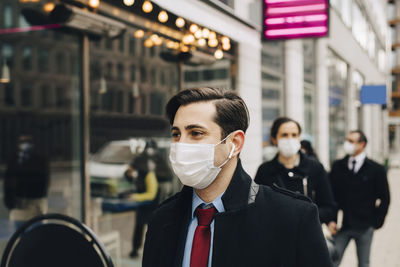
column 397, row 139
column 368, row 124
column 322, row 102
column 294, row 79
column 351, row 108
column 249, row 88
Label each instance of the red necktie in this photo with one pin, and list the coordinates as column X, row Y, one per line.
column 202, row 237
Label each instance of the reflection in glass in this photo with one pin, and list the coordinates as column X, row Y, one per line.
column 337, row 71
column 27, row 58
column 8, row 16
column 43, row 60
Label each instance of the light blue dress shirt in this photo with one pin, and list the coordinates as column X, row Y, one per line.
column 196, row 201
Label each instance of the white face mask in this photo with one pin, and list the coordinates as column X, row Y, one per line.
column 289, row 146
column 194, row 163
column 349, row 148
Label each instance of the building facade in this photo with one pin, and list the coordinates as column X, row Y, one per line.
column 318, row 81
column 394, row 114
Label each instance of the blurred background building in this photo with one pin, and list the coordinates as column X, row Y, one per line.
column 394, row 114
column 88, row 80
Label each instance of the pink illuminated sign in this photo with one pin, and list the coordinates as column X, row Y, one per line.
column 288, row 19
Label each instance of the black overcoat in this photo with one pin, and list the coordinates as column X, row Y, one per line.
column 357, row 194
column 279, row 228
column 318, row 186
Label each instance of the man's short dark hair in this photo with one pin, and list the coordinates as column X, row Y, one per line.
column 278, row 122
column 362, row 138
column 231, row 111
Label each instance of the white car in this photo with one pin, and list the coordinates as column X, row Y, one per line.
column 108, row 165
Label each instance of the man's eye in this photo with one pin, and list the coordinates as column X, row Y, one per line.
column 175, row 135
column 196, row 133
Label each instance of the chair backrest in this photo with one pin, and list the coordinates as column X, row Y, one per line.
column 54, row 240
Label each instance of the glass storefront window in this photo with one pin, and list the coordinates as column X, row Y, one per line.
column 40, row 161
column 309, row 89
column 27, row 58
column 8, row 16
column 43, row 60
column 272, row 90
column 357, row 82
column 337, row 71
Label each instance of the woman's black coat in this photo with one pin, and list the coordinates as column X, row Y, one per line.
column 279, row 229
column 318, row 186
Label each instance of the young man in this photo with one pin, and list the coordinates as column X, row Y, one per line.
column 221, row 217
column 361, row 190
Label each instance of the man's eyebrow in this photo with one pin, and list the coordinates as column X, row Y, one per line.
column 193, row 126
column 189, row 127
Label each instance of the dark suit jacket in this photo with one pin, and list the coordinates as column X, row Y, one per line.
column 319, row 189
column 357, row 194
column 280, row 228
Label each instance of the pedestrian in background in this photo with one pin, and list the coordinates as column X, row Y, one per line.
column 361, row 190
column 26, row 182
column 142, row 172
column 307, row 149
column 293, row 170
column 221, row 217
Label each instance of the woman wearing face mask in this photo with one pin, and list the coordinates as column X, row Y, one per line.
column 292, row 170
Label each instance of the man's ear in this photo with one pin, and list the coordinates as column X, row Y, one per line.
column 238, row 140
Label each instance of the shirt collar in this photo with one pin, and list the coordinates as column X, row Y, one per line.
column 359, row 158
column 217, row 203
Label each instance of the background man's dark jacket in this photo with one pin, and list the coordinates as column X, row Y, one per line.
column 28, row 179
column 279, row 229
column 319, row 190
column 356, row 194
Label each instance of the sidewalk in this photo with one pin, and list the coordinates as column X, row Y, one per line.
column 386, row 242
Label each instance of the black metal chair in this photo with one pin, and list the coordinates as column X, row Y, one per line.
column 55, row 240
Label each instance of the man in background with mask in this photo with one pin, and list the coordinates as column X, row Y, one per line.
column 361, row 190
column 26, row 182
column 221, row 217
column 293, row 170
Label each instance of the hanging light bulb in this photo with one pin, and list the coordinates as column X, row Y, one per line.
column 147, row 6
column 188, row 38
column 48, row 7
column 193, row 28
column 129, row 2
column 201, row 42
column 226, row 46
column 157, row 40
column 198, row 34
column 180, row 22
column 139, row 34
column 170, row 44
column 103, row 86
column 212, row 35
column 163, row 16
column 94, row 3
column 218, row 54
column 184, row 48
column 205, row 32
column 5, row 73
column 225, row 40
column 148, row 43
column 212, row 42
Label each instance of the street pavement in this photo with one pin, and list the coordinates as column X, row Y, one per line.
column 386, row 241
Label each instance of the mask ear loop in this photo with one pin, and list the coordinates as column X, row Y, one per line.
column 229, row 157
